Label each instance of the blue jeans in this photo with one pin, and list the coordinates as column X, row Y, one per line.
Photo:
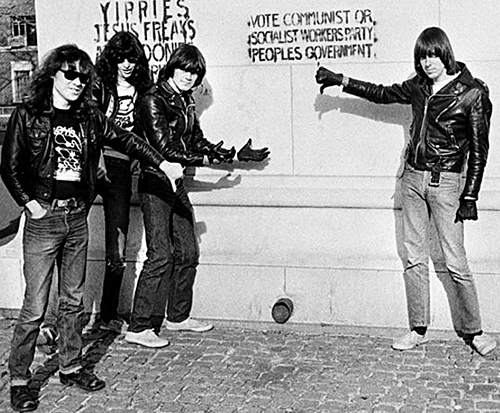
column 116, row 196
column 64, row 231
column 169, row 271
column 53, row 305
column 421, row 203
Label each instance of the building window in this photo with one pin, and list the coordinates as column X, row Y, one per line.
column 20, row 74
column 21, row 80
column 23, row 31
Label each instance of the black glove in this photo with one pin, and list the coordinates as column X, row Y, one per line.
column 466, row 210
column 328, row 78
column 218, row 154
column 246, row 153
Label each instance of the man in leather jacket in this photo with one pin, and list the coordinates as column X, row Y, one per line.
column 167, row 120
column 49, row 165
column 445, row 162
column 123, row 74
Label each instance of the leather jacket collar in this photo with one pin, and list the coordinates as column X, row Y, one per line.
column 462, row 82
column 173, row 97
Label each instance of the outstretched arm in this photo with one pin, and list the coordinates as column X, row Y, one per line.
column 396, row 93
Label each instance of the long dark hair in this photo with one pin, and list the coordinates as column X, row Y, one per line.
column 39, row 97
column 433, row 41
column 123, row 44
column 186, row 57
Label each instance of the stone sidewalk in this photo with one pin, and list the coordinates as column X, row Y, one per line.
column 275, row 370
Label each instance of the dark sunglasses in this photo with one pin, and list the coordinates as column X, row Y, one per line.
column 73, row 74
column 131, row 59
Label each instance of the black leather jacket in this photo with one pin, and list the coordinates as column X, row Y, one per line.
column 167, row 120
column 29, row 161
column 450, row 129
column 107, row 100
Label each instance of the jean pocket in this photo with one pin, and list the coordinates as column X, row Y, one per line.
column 37, row 217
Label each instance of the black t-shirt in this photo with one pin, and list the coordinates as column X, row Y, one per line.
column 68, row 146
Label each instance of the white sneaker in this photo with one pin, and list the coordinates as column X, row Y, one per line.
column 409, row 341
column 189, row 324
column 146, row 338
column 484, row 344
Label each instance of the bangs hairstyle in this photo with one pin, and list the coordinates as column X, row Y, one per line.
column 124, row 45
column 433, row 41
column 186, row 57
column 40, row 93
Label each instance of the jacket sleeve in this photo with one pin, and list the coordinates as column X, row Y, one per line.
column 152, row 118
column 396, row 93
column 127, row 142
column 199, row 143
column 479, row 120
column 14, row 158
column 98, row 93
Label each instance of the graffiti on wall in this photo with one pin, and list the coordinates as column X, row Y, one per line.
column 161, row 25
column 318, row 35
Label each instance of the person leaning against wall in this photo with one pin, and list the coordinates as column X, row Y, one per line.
column 444, row 167
column 49, row 165
column 167, row 120
column 122, row 75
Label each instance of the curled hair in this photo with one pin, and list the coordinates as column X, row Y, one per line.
column 186, row 57
column 433, row 41
column 123, row 45
column 39, row 97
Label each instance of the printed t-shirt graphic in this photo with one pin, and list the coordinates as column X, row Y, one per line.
column 69, row 149
column 69, row 152
column 125, row 116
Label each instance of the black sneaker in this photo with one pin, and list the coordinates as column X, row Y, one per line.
column 116, row 326
column 22, row 399
column 83, row 379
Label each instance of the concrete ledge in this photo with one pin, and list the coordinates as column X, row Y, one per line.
column 311, row 192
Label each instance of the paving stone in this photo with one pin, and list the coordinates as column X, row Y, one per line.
column 247, row 370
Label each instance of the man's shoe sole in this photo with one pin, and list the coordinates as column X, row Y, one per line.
column 132, row 341
column 109, row 329
column 196, row 330
column 69, row 382
column 426, row 340
column 25, row 409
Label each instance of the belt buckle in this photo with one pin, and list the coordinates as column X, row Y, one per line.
column 435, row 178
column 66, row 203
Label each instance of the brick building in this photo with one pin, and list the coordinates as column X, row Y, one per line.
column 18, row 53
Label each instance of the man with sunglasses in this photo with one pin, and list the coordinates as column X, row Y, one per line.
column 49, row 165
column 122, row 75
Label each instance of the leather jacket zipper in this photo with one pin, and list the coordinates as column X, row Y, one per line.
column 424, row 120
column 84, row 148
column 184, row 113
column 445, row 109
